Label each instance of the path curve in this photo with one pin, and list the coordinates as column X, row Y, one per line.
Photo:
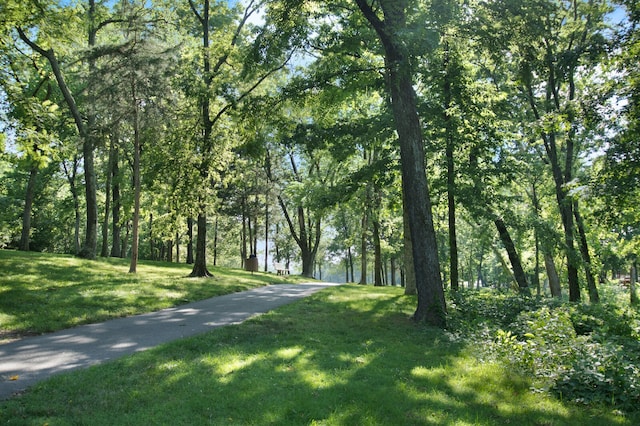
column 27, row 361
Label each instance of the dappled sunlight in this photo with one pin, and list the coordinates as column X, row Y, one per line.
column 333, row 358
column 289, row 353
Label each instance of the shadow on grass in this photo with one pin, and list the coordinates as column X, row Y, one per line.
column 346, row 356
column 41, row 293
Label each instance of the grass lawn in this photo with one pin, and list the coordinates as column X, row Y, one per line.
column 40, row 293
column 348, row 355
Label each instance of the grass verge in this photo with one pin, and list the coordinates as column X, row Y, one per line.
column 40, row 293
column 345, row 356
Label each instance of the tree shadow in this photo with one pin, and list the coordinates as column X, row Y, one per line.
column 326, row 359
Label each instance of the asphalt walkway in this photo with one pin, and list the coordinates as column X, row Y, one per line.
column 26, row 361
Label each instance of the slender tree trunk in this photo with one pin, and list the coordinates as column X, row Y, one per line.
column 377, row 269
column 243, row 234
column 451, row 202
column 514, row 257
column 363, row 248
column 104, row 251
column 393, row 271
column 178, row 248
column 552, row 275
column 152, row 244
column 116, row 244
column 350, row 263
column 586, row 257
column 632, row 286
column 190, row 241
column 28, row 207
column 266, row 231
column 215, row 242
column 133, row 265
column 125, row 240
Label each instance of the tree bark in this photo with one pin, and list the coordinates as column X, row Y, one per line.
column 377, row 249
column 552, row 275
column 431, row 307
column 409, row 277
column 633, row 299
column 116, row 244
column 133, row 265
column 514, row 257
column 104, row 251
column 594, row 297
column 190, row 259
column 363, row 248
column 451, row 202
column 200, row 264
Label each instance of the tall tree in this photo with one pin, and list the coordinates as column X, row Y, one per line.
column 556, row 46
column 391, row 27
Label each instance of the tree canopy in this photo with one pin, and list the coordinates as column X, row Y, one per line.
column 433, row 144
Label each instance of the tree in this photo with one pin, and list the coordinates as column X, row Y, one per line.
column 390, row 28
column 555, row 48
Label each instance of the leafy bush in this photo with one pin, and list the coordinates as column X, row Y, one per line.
column 585, row 353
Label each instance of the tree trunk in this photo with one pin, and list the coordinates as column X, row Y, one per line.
column 28, row 207
column 350, row 264
column 89, row 249
column 116, row 244
column 190, row 241
column 393, row 271
column 552, row 275
column 586, row 257
column 363, row 248
column 104, row 251
column 77, row 218
column 215, row 242
column 451, row 202
column 133, row 265
column 377, row 268
column 514, row 257
column 431, row 307
column 125, row 240
column 266, row 231
column 409, row 276
column 178, row 247
column 632, row 286
column 200, row 265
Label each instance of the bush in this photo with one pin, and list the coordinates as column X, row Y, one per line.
column 589, row 354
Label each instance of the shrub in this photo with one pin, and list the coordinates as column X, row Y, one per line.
column 585, row 353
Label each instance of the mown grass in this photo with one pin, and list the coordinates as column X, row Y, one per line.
column 41, row 293
column 345, row 356
column 348, row 355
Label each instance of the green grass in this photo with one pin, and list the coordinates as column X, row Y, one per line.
column 348, row 355
column 41, row 293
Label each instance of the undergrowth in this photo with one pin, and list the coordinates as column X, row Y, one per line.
column 588, row 354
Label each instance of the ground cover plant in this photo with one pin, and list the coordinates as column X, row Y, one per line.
column 347, row 355
column 588, row 354
column 41, row 293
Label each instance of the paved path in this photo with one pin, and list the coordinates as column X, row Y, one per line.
column 32, row 359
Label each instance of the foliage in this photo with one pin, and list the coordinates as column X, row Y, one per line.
column 584, row 353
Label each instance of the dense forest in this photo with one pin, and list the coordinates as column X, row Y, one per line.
column 439, row 144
